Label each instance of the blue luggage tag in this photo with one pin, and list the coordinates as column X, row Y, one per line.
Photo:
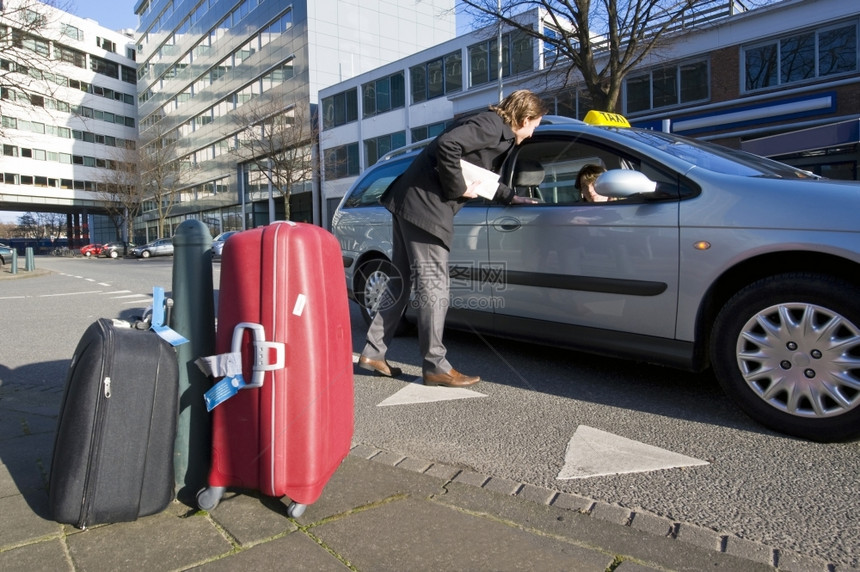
column 165, row 332
column 223, row 390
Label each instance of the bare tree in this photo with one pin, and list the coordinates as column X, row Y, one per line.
column 277, row 140
column 53, row 223
column 28, row 226
column 40, row 225
column 600, row 42
column 122, row 191
column 162, row 173
column 7, row 230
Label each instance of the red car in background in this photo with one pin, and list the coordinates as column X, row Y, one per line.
column 89, row 250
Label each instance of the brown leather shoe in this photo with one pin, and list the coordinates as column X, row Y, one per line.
column 381, row 367
column 451, row 379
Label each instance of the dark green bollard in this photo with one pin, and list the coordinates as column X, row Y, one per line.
column 29, row 260
column 194, row 318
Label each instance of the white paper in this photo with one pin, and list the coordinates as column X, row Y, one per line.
column 489, row 181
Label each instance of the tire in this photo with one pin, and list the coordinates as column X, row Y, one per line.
column 113, row 254
column 787, row 350
column 373, row 287
column 146, row 254
column 88, row 254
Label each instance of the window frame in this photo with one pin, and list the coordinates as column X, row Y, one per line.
column 677, row 80
column 772, row 56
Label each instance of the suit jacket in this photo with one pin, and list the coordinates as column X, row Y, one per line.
column 430, row 192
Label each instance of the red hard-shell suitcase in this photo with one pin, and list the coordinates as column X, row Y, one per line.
column 283, row 284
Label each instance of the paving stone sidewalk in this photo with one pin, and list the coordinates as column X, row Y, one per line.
column 380, row 511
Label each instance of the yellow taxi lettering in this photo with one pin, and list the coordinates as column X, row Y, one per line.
column 606, row 118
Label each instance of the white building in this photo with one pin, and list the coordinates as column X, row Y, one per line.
column 727, row 79
column 68, row 104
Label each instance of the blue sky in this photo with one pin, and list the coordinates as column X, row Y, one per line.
column 115, row 14
column 119, row 14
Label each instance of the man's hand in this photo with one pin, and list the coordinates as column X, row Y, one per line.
column 518, row 200
column 471, row 193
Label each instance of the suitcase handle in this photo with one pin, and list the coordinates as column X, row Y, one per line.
column 262, row 350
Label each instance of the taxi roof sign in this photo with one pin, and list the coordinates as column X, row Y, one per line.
column 606, row 119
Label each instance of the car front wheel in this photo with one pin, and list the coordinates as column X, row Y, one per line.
column 787, row 350
column 146, row 254
column 113, row 254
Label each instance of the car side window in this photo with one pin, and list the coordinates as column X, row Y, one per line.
column 557, row 163
column 371, row 187
column 547, row 169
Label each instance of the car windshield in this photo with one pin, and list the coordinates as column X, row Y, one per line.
column 714, row 157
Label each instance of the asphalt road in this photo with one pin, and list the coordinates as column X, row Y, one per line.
column 756, row 484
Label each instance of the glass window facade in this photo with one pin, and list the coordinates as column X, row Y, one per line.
column 517, row 57
column 378, row 146
column 383, row 95
column 340, row 109
column 437, row 77
column 341, row 162
column 801, row 57
column 668, row 86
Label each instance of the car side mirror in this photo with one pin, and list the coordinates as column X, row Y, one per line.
column 623, row 183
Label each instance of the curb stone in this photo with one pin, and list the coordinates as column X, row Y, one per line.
column 639, row 520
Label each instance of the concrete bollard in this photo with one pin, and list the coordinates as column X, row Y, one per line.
column 14, row 268
column 194, row 318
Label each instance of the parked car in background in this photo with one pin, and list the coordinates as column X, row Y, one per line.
column 5, row 253
column 218, row 242
column 704, row 257
column 90, row 250
column 160, row 247
column 115, row 249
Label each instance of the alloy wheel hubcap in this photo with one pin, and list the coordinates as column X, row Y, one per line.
column 802, row 359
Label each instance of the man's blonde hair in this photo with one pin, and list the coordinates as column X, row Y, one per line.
column 520, row 106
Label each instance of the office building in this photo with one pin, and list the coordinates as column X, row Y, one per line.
column 228, row 96
column 69, row 111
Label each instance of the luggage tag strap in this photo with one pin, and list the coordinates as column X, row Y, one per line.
column 229, row 364
column 262, row 352
column 159, row 326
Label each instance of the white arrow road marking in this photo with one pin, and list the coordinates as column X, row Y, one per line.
column 417, row 392
column 594, row 453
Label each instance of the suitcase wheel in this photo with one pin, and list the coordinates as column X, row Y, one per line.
column 295, row 510
column 208, row 497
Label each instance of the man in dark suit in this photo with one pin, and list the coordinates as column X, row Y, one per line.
column 423, row 202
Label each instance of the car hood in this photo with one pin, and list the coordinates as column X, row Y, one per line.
column 752, row 202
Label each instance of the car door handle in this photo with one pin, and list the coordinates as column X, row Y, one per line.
column 507, row 224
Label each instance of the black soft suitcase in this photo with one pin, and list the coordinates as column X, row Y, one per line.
column 113, row 451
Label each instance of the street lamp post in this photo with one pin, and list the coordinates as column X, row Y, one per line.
column 501, row 94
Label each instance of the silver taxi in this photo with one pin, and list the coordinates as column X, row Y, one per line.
column 705, row 257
